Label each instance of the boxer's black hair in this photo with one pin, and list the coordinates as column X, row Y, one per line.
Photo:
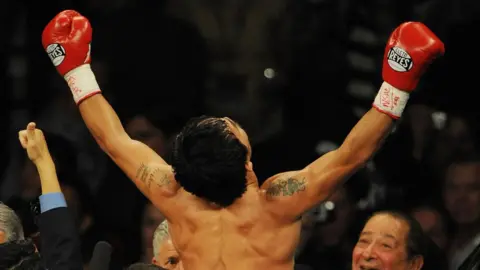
column 209, row 161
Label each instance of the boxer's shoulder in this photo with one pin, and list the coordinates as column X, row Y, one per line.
column 284, row 185
column 284, row 193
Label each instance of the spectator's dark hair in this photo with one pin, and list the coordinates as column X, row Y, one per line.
column 19, row 255
column 436, row 206
column 417, row 240
column 434, row 258
column 209, row 161
column 144, row 266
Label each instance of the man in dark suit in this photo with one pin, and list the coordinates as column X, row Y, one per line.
column 60, row 242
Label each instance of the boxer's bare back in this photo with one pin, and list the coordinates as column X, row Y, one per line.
column 242, row 236
column 250, row 234
column 261, row 229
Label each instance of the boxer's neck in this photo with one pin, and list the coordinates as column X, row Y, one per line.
column 251, row 179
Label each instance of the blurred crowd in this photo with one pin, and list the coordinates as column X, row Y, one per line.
column 296, row 74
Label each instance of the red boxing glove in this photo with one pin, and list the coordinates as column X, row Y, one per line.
column 409, row 51
column 66, row 39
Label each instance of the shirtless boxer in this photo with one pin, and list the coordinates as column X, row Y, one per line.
column 219, row 216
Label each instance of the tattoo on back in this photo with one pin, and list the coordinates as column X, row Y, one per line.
column 149, row 175
column 286, row 187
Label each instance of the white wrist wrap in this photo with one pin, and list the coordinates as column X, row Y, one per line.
column 391, row 101
column 82, row 83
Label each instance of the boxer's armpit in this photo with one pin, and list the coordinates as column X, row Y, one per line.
column 148, row 175
column 286, row 186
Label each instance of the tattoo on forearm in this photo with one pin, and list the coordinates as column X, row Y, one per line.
column 150, row 175
column 286, row 187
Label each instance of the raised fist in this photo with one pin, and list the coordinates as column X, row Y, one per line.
column 409, row 51
column 33, row 141
column 66, row 39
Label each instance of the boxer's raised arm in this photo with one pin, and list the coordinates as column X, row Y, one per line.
column 67, row 40
column 409, row 51
column 145, row 167
column 299, row 191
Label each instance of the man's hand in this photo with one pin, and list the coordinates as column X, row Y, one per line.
column 33, row 141
column 66, row 39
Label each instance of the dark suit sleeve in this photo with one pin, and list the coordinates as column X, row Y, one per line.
column 60, row 240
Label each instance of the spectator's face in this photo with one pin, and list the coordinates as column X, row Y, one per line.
column 382, row 245
column 433, row 225
column 168, row 256
column 462, row 193
column 151, row 219
column 456, row 138
column 140, row 129
column 459, row 134
column 2, row 237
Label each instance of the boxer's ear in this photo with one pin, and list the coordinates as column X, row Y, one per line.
column 249, row 166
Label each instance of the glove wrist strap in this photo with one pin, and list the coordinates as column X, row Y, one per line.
column 82, row 83
column 390, row 100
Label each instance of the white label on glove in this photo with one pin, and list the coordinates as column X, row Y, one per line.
column 82, row 83
column 56, row 53
column 390, row 100
column 399, row 60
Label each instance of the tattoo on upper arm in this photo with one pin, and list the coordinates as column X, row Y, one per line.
column 149, row 175
column 286, row 187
